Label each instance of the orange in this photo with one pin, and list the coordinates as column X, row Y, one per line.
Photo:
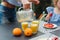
column 17, row 31
column 28, row 32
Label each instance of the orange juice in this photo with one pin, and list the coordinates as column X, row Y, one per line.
column 35, row 22
column 34, row 28
column 24, row 25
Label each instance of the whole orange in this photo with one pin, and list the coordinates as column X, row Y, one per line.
column 28, row 32
column 17, row 31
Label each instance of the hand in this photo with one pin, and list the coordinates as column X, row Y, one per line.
column 47, row 17
column 34, row 1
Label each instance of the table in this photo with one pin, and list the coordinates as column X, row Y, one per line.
column 57, row 33
column 6, row 32
column 45, row 30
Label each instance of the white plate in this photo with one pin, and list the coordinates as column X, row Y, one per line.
column 55, row 26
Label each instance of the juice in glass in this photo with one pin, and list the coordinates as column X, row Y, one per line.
column 24, row 25
column 34, row 28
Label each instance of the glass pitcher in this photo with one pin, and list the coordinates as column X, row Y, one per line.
column 25, row 15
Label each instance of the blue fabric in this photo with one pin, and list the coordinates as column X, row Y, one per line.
column 55, row 17
column 9, row 13
column 1, row 15
column 14, row 2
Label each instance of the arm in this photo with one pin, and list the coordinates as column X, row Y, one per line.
column 47, row 17
column 34, row 1
column 50, row 13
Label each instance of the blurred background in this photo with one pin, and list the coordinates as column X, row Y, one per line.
column 38, row 9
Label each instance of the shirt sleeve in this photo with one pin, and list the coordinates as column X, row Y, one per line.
column 49, row 9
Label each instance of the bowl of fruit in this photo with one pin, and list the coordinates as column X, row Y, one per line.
column 50, row 25
column 54, row 38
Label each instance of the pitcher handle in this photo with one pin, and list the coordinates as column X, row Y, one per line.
column 20, row 8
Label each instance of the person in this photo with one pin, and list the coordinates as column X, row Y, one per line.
column 7, row 9
column 54, row 13
column 39, row 8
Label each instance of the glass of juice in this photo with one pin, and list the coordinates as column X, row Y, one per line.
column 24, row 25
column 34, row 28
column 35, row 22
